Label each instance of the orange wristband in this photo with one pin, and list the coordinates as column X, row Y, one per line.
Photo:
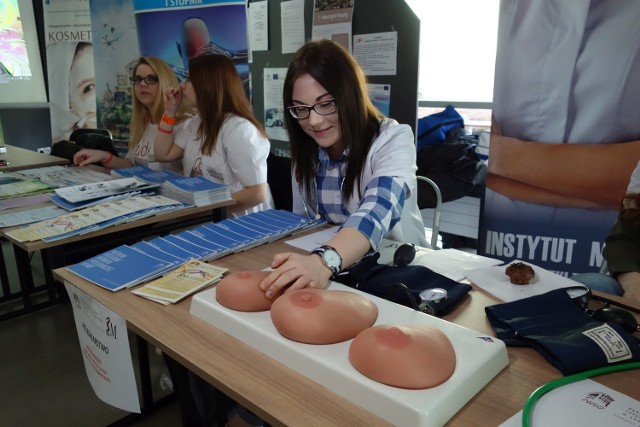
column 168, row 120
column 105, row 162
column 167, row 131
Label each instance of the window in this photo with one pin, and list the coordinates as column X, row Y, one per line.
column 457, row 56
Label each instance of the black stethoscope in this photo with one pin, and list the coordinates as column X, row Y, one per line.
column 620, row 314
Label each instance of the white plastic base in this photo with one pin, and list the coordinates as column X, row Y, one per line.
column 479, row 359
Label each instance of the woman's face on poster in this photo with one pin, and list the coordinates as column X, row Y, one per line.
column 82, row 86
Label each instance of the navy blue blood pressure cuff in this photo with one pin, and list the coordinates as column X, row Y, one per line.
column 382, row 281
column 562, row 332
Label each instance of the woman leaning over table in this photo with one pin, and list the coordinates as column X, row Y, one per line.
column 351, row 166
column 151, row 77
column 224, row 141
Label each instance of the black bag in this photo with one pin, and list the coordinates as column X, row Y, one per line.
column 382, row 281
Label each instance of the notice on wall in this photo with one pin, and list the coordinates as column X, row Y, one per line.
column 377, row 53
column 292, row 23
column 104, row 344
column 258, row 15
column 273, row 108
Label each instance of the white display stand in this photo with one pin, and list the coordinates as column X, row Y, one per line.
column 479, row 359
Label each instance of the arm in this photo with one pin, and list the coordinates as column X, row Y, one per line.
column 164, row 148
column 250, row 196
column 300, row 271
column 585, row 175
column 377, row 212
column 88, row 156
column 622, row 253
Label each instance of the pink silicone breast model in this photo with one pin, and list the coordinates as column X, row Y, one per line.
column 411, row 357
column 241, row 291
column 318, row 316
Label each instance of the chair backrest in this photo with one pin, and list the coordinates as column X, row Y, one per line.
column 279, row 179
column 431, row 187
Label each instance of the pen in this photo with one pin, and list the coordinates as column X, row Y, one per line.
column 4, row 163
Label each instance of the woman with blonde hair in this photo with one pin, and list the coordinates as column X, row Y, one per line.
column 224, row 142
column 150, row 78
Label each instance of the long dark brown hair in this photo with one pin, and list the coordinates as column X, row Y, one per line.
column 219, row 91
column 337, row 71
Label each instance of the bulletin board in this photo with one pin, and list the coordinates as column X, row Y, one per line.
column 369, row 16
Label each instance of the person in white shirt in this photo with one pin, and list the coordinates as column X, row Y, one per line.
column 224, row 141
column 151, row 76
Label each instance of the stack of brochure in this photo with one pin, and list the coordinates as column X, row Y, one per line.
column 185, row 280
column 121, row 267
column 196, row 190
column 204, row 243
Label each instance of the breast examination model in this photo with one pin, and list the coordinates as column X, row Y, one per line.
column 410, row 357
column 320, row 316
column 240, row 291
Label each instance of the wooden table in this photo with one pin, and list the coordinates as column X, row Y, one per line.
column 282, row 396
column 75, row 248
column 21, row 158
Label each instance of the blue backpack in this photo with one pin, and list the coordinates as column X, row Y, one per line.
column 434, row 128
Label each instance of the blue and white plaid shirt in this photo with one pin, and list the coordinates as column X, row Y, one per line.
column 379, row 209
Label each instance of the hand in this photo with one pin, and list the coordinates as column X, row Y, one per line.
column 172, row 100
column 630, row 282
column 295, row 271
column 87, row 156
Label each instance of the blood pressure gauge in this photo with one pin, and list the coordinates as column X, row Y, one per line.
column 581, row 295
column 429, row 298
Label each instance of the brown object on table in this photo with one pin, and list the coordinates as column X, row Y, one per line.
column 520, row 273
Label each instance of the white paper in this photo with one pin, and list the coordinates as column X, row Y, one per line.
column 582, row 404
column 453, row 263
column 273, row 108
column 496, row 282
column 104, row 344
column 258, row 25
column 313, row 240
column 292, row 25
column 377, row 53
column 79, row 193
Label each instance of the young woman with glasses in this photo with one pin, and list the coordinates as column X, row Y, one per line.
column 351, row 166
column 151, row 77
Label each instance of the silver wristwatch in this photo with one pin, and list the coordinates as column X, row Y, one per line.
column 330, row 257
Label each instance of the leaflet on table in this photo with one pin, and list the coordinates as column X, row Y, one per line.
column 130, row 171
column 157, row 177
column 78, row 193
column 243, row 241
column 215, row 250
column 65, row 204
column 171, row 248
column 35, row 172
column 228, row 244
column 190, row 277
column 119, row 268
column 273, row 231
column 30, row 216
column 70, row 176
column 199, row 251
column 583, row 403
column 18, row 202
column 156, row 252
column 254, row 237
column 89, row 217
column 23, row 188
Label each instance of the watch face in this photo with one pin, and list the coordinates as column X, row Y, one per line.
column 332, row 258
column 433, row 295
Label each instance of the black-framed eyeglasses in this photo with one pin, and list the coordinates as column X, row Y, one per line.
column 324, row 108
column 151, row 79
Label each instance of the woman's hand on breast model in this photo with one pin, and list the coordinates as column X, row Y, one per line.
column 295, row 271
